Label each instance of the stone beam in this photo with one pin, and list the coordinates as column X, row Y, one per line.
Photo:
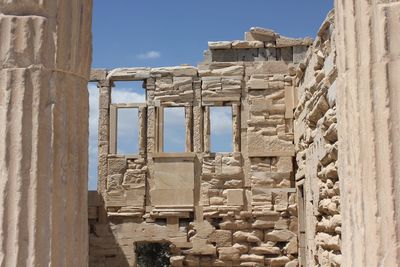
column 45, row 57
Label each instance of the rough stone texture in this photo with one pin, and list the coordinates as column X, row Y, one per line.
column 316, row 138
column 215, row 209
column 45, row 57
column 251, row 207
column 260, row 45
column 368, row 48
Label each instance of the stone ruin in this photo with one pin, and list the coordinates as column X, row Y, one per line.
column 225, row 209
column 312, row 178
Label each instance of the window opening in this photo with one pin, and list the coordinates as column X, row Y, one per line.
column 221, row 129
column 153, row 254
column 174, row 129
column 128, row 92
column 93, row 134
column 127, row 131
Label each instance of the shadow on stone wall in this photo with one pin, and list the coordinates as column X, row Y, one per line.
column 104, row 250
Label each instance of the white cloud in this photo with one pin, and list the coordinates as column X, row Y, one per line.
column 149, row 55
column 93, row 122
column 128, row 131
column 174, row 129
column 123, row 95
column 221, row 121
column 174, row 116
column 221, row 129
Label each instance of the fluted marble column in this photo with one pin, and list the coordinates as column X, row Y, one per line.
column 45, row 56
column 368, row 47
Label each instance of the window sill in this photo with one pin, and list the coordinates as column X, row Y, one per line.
column 174, row 155
column 127, row 156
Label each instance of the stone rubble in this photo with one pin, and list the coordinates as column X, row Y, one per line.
column 316, row 150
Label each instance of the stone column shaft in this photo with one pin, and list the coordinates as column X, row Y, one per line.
column 206, row 130
column 189, row 129
column 45, row 56
column 236, row 127
column 104, row 131
column 368, row 48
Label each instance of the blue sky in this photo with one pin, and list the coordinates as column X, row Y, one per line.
column 178, row 30
column 128, row 33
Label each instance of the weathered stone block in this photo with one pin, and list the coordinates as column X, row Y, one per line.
column 279, row 235
column 285, row 54
column 247, row 54
column 224, row 55
column 116, row 165
column 222, row 238
column 229, row 253
column 280, row 201
column 252, row 257
column 240, row 45
column 263, row 224
column 268, row 53
column 235, row 197
column 279, row 261
column 241, row 236
column 220, row 45
column 328, row 242
column 265, row 250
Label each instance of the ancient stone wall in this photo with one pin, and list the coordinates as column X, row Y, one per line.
column 316, row 139
column 215, row 209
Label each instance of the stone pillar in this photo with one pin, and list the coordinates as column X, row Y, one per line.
column 45, row 56
column 104, row 131
column 368, row 48
column 236, row 127
column 197, row 118
column 206, row 130
column 189, row 128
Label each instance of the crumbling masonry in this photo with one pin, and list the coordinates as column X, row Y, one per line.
column 226, row 209
column 312, row 179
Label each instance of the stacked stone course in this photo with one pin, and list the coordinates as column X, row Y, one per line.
column 240, row 208
column 215, row 209
column 316, row 151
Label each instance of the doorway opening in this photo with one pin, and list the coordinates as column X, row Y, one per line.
column 302, row 225
column 154, row 254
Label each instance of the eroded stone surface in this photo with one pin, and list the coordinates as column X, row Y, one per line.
column 45, row 58
column 218, row 209
column 316, row 152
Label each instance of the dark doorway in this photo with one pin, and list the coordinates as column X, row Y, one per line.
column 152, row 254
column 302, row 225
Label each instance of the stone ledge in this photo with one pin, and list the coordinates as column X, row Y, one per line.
column 174, row 155
column 289, row 153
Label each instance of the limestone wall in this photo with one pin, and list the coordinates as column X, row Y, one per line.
column 316, row 152
column 215, row 209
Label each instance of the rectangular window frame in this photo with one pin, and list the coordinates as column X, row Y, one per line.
column 188, row 131
column 236, row 128
column 142, row 107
